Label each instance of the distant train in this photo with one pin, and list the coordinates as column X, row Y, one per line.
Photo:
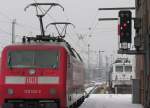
column 41, row 75
column 121, row 76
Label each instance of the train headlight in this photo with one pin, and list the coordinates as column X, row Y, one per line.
column 53, row 91
column 31, row 71
column 10, row 91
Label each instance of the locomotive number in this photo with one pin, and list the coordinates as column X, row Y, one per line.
column 31, row 80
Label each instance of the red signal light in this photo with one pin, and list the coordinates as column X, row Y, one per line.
column 124, row 25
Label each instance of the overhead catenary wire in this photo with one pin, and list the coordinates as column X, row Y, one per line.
column 76, row 33
column 93, row 29
column 93, row 25
column 78, row 37
column 79, row 46
column 75, row 42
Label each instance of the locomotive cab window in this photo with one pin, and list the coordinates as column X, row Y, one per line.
column 33, row 59
column 128, row 68
column 119, row 68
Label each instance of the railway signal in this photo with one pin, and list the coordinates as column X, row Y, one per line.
column 125, row 26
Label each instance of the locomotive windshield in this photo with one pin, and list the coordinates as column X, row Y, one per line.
column 128, row 68
column 33, row 59
column 119, row 68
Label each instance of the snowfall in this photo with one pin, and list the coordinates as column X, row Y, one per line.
column 109, row 101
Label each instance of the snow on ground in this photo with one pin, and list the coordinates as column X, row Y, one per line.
column 109, row 101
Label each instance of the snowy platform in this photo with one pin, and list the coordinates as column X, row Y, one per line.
column 109, row 101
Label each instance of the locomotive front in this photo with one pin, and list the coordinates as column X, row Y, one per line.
column 32, row 76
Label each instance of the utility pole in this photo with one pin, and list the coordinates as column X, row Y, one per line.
column 100, row 58
column 99, row 64
column 106, row 70
column 111, row 58
column 89, row 74
column 88, row 55
column 13, row 30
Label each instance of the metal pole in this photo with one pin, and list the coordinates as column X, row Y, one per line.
column 89, row 61
column 148, row 22
column 118, row 8
column 13, row 30
column 106, row 70
column 107, row 19
column 100, row 58
column 41, row 25
column 100, row 63
column 147, row 58
column 111, row 19
column 146, row 67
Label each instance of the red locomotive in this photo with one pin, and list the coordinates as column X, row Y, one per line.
column 41, row 72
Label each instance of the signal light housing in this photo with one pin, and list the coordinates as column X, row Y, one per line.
column 125, row 26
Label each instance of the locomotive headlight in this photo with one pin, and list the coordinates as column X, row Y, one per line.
column 53, row 91
column 31, row 71
column 10, row 91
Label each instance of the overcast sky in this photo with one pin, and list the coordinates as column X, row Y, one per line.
column 83, row 14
